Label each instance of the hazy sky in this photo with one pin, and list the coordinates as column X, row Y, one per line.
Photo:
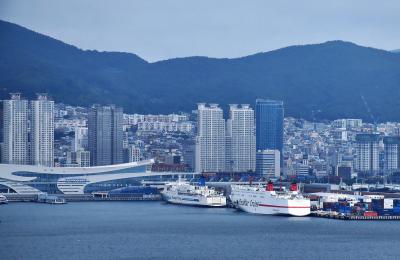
column 164, row 29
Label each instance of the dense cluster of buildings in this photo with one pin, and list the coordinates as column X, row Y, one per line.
column 259, row 141
column 344, row 148
column 48, row 147
column 264, row 142
column 239, row 144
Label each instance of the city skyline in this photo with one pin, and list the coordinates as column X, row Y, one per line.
column 349, row 145
column 220, row 143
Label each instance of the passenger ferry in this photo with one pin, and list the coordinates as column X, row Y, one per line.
column 265, row 200
column 3, row 199
column 184, row 193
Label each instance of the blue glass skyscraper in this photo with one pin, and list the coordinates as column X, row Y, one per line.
column 269, row 125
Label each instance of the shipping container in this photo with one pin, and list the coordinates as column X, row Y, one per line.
column 345, row 209
column 368, row 206
column 377, row 204
column 329, row 206
column 388, row 203
column 396, row 209
column 370, row 214
column 385, row 212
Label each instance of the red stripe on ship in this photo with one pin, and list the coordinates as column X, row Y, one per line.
column 287, row 207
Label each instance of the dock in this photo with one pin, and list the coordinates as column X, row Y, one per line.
column 89, row 197
column 352, row 217
column 83, row 197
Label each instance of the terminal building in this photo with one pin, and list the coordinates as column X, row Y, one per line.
column 32, row 179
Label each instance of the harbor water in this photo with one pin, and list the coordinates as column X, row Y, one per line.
column 155, row 230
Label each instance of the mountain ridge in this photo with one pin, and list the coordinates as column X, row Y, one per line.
column 334, row 77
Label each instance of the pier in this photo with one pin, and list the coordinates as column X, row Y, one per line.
column 84, row 197
column 351, row 217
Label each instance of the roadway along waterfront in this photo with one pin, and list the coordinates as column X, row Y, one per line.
column 155, row 230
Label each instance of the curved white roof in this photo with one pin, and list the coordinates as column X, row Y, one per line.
column 7, row 170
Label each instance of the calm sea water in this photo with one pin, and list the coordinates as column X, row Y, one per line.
column 154, row 230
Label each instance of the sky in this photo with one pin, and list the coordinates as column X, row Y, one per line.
column 158, row 30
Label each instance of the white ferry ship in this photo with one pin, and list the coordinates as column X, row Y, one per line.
column 195, row 195
column 267, row 201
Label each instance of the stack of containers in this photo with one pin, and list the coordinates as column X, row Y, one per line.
column 343, row 206
column 387, row 208
column 396, row 207
column 361, row 207
column 377, row 205
column 367, row 203
column 345, row 209
column 370, row 214
column 384, row 207
column 330, row 206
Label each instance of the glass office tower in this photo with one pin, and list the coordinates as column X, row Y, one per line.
column 269, row 125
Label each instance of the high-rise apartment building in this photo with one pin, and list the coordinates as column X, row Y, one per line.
column 268, row 163
column 240, row 139
column 367, row 151
column 134, row 154
column 269, row 125
column 78, row 158
column 210, row 141
column 189, row 154
column 42, row 131
column 392, row 152
column 105, row 135
column 15, row 130
column 347, row 123
column 80, row 139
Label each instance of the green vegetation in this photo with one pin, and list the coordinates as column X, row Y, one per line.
column 325, row 81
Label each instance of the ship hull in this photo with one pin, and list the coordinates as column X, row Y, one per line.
column 199, row 201
column 272, row 206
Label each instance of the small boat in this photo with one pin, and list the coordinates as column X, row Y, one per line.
column 3, row 199
column 56, row 200
column 51, row 199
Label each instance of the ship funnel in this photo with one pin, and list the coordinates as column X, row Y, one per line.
column 270, row 186
column 293, row 186
column 202, row 181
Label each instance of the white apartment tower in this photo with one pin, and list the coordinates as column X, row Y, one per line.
column 392, row 152
column 15, row 116
column 42, row 131
column 240, row 139
column 134, row 154
column 367, row 150
column 80, row 139
column 210, row 142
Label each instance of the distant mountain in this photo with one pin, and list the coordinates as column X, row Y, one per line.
column 326, row 81
column 396, row 51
